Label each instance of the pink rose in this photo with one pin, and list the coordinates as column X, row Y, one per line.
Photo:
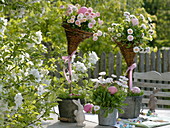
column 88, row 107
column 82, row 10
column 135, row 90
column 112, row 89
column 135, row 21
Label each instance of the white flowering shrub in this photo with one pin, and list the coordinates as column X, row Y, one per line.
column 26, row 90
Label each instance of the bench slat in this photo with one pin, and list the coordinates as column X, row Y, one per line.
column 161, row 102
column 152, row 85
column 159, row 94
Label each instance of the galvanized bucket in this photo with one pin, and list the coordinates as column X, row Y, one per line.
column 66, row 110
column 132, row 110
column 109, row 120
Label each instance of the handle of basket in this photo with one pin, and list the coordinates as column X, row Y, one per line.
column 130, row 69
column 68, row 58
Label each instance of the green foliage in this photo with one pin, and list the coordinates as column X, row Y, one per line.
column 162, row 22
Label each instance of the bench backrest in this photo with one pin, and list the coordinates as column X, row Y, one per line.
column 148, row 81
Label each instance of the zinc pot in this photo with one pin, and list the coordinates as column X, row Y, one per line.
column 109, row 120
column 132, row 110
column 66, row 110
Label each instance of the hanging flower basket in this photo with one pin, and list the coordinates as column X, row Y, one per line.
column 74, row 37
column 127, row 53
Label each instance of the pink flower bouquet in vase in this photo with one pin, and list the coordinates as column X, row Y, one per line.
column 80, row 23
column 109, row 95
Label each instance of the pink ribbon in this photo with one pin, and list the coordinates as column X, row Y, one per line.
column 68, row 58
column 130, row 69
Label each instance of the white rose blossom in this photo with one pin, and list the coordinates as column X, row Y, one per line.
column 80, row 66
column 93, row 58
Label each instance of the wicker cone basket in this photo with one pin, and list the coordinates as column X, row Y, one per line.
column 74, row 37
column 127, row 53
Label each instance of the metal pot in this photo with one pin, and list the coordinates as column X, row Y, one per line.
column 109, row 120
column 132, row 110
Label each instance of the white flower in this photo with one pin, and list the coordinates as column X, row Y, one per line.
column 41, row 90
column 44, row 72
column 114, row 76
column 74, row 76
column 127, row 19
column 143, row 34
column 147, row 49
column 96, row 108
column 124, row 78
column 109, row 29
column 39, row 37
column 126, row 14
column 4, row 20
column 93, row 58
column 109, row 80
column 95, row 34
column 130, row 38
column 46, row 81
column 35, row 73
column 143, row 26
column 136, row 49
column 119, row 35
column 114, row 24
column 93, row 21
column 80, row 66
column 130, row 31
column 102, row 81
column 118, row 83
column 149, row 19
column 151, row 32
column 80, row 16
column 102, row 73
column 18, row 100
column 125, row 85
column 133, row 16
column 99, row 33
column 142, row 17
column 95, row 80
column 95, row 38
column 1, row 88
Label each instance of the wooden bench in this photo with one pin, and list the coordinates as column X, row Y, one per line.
column 147, row 81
